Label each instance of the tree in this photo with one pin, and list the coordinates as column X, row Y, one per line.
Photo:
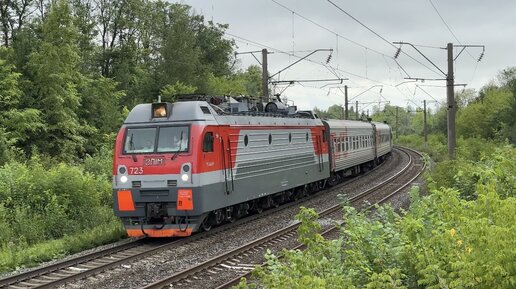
column 336, row 111
column 17, row 124
column 13, row 14
column 55, row 67
column 491, row 114
column 216, row 51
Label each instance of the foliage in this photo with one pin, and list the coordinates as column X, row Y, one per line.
column 39, row 203
column 334, row 112
column 169, row 91
column 441, row 241
column 68, row 69
column 436, row 147
column 15, row 256
column 489, row 117
column 472, row 156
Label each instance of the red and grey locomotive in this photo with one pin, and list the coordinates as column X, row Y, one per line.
column 186, row 166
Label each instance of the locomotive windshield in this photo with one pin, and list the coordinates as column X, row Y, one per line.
column 156, row 139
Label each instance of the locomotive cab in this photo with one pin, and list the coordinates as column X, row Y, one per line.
column 153, row 188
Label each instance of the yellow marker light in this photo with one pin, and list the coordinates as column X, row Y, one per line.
column 159, row 110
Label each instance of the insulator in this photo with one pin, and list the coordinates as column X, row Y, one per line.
column 397, row 53
column 480, row 58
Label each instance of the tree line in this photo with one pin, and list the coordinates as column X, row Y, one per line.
column 71, row 70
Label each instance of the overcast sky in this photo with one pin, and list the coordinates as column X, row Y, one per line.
column 287, row 27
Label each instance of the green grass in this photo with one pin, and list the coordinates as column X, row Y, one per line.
column 15, row 257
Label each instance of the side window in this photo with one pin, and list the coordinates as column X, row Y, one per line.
column 207, row 144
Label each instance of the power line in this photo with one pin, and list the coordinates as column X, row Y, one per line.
column 257, row 44
column 359, row 22
column 441, row 103
column 327, row 29
column 329, row 67
column 447, row 26
column 378, row 35
column 338, row 35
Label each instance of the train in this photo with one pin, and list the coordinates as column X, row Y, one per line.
column 201, row 161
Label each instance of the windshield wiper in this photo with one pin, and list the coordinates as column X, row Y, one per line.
column 131, row 143
column 180, row 144
column 131, row 147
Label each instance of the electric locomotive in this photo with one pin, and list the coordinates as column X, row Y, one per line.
column 185, row 166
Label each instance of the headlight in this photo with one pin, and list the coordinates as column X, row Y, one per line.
column 184, row 177
column 123, row 179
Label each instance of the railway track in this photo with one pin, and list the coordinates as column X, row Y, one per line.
column 244, row 259
column 91, row 264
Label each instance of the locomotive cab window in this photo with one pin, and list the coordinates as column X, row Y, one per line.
column 207, row 144
column 140, row 140
column 156, row 139
column 173, row 139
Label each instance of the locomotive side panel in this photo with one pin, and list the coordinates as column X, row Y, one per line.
column 270, row 160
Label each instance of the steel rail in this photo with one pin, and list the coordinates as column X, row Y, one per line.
column 67, row 263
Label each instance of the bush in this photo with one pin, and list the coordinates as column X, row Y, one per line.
column 46, row 210
column 436, row 148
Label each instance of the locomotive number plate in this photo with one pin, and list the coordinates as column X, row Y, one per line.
column 154, row 161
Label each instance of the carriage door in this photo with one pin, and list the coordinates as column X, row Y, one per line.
column 376, row 137
column 227, row 154
column 210, row 159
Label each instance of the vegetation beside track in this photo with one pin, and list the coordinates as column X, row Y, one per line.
column 461, row 235
column 50, row 211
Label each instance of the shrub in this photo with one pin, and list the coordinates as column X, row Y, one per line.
column 60, row 200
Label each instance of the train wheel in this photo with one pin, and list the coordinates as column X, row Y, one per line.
column 334, row 179
column 270, row 202
column 301, row 193
column 256, row 207
column 207, row 223
column 218, row 217
column 229, row 214
column 240, row 210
